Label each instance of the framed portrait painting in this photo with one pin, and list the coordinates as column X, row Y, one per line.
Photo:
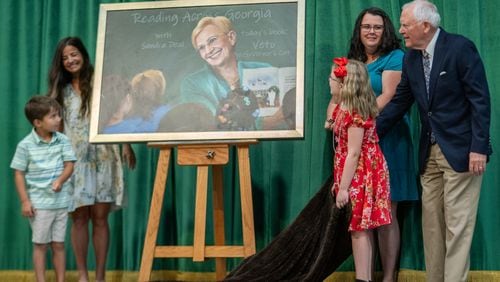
column 199, row 70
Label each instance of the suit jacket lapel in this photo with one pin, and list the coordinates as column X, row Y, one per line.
column 418, row 73
column 437, row 62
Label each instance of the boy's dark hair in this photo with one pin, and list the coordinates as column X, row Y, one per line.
column 39, row 106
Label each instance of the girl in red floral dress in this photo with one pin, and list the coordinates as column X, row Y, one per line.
column 360, row 170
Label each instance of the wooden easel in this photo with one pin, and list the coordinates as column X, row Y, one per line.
column 203, row 156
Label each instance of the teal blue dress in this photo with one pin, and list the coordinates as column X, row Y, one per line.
column 207, row 88
column 397, row 143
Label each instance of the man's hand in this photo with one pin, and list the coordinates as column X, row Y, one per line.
column 477, row 163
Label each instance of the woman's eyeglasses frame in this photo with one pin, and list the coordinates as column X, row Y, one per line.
column 368, row 27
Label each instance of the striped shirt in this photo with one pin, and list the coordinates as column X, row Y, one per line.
column 43, row 162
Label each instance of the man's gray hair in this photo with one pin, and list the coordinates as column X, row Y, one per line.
column 424, row 11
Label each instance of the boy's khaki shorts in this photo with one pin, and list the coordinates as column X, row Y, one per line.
column 49, row 226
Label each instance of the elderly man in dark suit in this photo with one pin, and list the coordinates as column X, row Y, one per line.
column 444, row 74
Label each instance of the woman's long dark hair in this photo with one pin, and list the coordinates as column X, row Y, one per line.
column 389, row 41
column 59, row 77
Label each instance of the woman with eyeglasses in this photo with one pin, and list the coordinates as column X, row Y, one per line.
column 375, row 43
column 217, row 86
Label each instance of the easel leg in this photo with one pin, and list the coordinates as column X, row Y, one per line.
column 154, row 215
column 200, row 214
column 218, row 205
column 246, row 200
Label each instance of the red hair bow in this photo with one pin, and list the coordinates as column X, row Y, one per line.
column 340, row 71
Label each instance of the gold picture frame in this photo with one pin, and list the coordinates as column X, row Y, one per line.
column 156, row 81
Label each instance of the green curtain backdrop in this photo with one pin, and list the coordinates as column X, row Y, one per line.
column 285, row 174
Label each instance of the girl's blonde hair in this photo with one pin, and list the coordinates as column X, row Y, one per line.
column 356, row 93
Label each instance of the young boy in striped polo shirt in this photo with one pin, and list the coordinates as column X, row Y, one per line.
column 42, row 163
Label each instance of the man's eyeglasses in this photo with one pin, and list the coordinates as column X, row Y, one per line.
column 375, row 27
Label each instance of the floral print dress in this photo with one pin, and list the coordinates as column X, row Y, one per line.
column 98, row 172
column 369, row 190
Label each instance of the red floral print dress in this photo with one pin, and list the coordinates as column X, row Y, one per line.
column 369, row 190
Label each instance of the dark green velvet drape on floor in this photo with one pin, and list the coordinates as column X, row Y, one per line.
column 285, row 174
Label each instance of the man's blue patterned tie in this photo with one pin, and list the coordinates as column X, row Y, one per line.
column 427, row 69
